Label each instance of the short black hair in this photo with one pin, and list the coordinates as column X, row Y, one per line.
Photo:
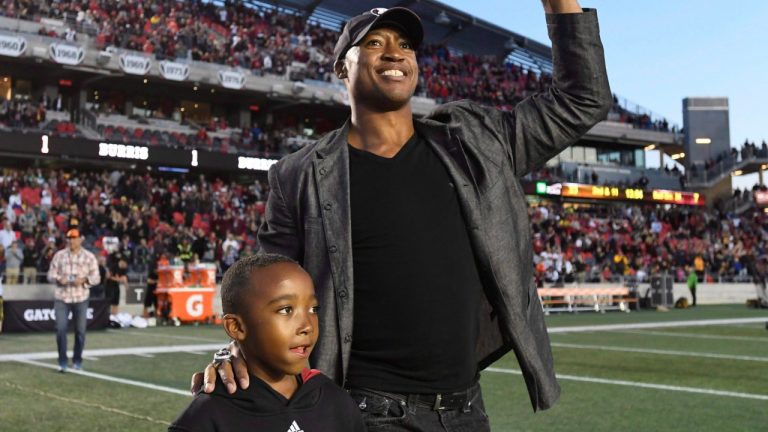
column 237, row 279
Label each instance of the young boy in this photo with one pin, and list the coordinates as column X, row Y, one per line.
column 271, row 311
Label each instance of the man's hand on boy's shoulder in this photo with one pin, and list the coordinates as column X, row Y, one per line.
column 231, row 372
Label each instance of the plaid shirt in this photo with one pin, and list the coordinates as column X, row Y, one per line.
column 66, row 264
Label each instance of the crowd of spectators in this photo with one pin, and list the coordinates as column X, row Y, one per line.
column 265, row 40
column 621, row 114
column 610, row 243
column 21, row 112
column 446, row 77
column 724, row 161
column 129, row 216
column 141, row 217
column 259, row 39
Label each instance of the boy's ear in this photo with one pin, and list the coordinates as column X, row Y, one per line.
column 234, row 326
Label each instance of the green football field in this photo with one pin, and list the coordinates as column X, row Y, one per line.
column 703, row 369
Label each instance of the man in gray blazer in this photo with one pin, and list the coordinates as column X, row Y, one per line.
column 415, row 230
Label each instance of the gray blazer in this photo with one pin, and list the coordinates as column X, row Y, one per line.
column 485, row 152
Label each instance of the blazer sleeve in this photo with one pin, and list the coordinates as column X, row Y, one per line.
column 543, row 125
column 278, row 232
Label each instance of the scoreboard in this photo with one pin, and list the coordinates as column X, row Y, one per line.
column 615, row 193
column 96, row 150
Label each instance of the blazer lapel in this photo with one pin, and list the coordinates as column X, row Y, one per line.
column 331, row 167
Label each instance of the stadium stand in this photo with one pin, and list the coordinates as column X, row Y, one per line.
column 572, row 244
column 609, row 243
column 277, row 42
column 146, row 216
column 265, row 40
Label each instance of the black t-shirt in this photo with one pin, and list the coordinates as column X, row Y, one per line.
column 417, row 289
column 116, row 271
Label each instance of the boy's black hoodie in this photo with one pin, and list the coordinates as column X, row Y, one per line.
column 318, row 405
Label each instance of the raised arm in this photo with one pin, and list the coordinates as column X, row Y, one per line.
column 543, row 125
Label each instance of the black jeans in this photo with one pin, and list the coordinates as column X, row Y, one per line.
column 383, row 411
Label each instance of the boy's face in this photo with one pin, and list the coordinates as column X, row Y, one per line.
column 279, row 321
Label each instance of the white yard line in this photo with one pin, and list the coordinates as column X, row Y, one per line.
column 92, row 354
column 750, row 326
column 659, row 352
column 48, row 395
column 198, row 353
column 660, row 324
column 223, row 340
column 144, row 355
column 698, row 335
column 110, row 378
column 666, row 387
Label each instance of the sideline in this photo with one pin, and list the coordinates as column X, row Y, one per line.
column 696, row 390
column 660, row 352
column 660, row 324
column 109, row 378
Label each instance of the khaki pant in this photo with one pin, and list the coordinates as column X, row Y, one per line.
column 11, row 275
column 30, row 275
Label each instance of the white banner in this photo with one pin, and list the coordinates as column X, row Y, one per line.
column 232, row 79
column 12, row 46
column 66, row 54
column 135, row 64
column 174, row 71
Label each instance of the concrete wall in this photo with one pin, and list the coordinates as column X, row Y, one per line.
column 706, row 293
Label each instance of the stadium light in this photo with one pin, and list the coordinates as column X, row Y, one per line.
column 678, row 156
column 737, row 173
column 650, row 147
column 764, row 166
column 703, row 141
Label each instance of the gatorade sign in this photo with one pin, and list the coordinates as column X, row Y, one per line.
column 187, row 304
column 39, row 315
column 195, row 305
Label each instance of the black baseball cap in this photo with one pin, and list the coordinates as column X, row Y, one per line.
column 398, row 17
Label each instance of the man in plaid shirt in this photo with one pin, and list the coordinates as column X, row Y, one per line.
column 74, row 270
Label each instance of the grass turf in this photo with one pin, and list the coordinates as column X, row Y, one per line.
column 34, row 398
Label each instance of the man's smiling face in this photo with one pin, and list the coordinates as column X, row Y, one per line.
column 381, row 70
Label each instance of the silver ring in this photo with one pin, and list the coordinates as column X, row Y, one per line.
column 221, row 356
